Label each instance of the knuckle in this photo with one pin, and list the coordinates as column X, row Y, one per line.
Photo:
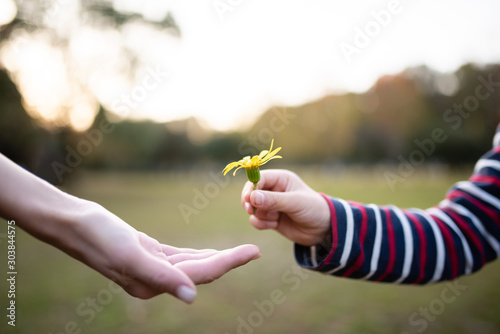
column 260, row 227
column 272, row 200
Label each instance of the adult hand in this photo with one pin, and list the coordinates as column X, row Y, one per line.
column 98, row 238
column 139, row 263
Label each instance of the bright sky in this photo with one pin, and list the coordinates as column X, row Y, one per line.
column 234, row 62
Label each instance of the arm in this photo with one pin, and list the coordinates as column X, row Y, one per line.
column 104, row 242
column 389, row 244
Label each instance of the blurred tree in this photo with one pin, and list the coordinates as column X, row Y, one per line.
column 385, row 121
column 21, row 138
column 52, row 26
column 18, row 133
column 380, row 124
column 54, row 23
column 33, row 15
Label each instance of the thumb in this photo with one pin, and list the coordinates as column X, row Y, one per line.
column 161, row 276
column 277, row 201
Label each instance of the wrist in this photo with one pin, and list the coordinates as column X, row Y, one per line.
column 325, row 221
column 53, row 219
column 76, row 230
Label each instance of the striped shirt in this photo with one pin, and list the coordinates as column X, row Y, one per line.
column 389, row 244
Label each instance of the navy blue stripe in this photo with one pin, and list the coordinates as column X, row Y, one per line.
column 341, row 230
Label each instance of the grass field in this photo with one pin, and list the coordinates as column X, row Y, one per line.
column 53, row 290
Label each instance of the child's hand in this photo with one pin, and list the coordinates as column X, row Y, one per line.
column 285, row 203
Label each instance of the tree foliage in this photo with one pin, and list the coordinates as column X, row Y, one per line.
column 376, row 126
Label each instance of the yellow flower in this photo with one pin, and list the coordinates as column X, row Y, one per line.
column 252, row 164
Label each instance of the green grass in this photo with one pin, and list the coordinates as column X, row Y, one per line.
column 51, row 286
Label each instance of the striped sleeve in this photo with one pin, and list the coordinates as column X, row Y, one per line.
column 388, row 244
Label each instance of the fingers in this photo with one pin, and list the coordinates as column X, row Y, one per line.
column 263, row 224
column 183, row 268
column 171, row 250
column 276, row 201
column 275, row 180
column 161, row 276
column 173, row 259
column 208, row 269
column 248, row 208
column 245, row 193
column 279, row 192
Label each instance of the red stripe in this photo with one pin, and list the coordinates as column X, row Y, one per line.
column 489, row 179
column 489, row 212
column 467, row 229
column 452, row 251
column 423, row 245
column 335, row 233
column 392, row 245
column 362, row 236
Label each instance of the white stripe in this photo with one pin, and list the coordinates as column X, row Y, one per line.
column 469, row 262
column 408, row 244
column 483, row 163
column 377, row 243
column 478, row 192
column 461, row 210
column 496, row 139
column 348, row 237
column 438, row 270
column 313, row 256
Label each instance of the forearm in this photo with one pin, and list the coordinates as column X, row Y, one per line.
column 388, row 244
column 37, row 207
column 78, row 227
column 457, row 237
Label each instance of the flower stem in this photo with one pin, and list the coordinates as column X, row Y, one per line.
column 254, row 188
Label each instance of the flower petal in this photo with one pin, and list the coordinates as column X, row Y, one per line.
column 267, row 160
column 263, row 154
column 271, row 154
column 230, row 166
column 254, row 162
column 237, row 170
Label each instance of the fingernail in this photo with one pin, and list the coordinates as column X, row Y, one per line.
column 258, row 197
column 256, row 256
column 248, row 207
column 186, row 294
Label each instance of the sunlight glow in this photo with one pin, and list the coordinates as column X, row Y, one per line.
column 8, row 11
column 261, row 54
column 48, row 93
